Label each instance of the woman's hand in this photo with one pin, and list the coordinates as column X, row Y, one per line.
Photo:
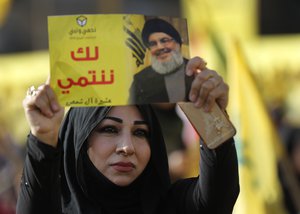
column 208, row 87
column 43, row 113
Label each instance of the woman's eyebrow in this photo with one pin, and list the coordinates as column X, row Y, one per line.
column 119, row 120
column 116, row 119
column 140, row 122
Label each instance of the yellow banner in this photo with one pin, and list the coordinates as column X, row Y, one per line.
column 93, row 58
column 257, row 142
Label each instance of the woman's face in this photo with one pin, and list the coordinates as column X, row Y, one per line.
column 119, row 147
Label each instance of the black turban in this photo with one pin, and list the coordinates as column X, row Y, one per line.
column 158, row 25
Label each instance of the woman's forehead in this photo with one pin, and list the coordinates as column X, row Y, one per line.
column 125, row 113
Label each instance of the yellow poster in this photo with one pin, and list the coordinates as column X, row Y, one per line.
column 93, row 58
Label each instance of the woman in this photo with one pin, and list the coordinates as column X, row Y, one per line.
column 113, row 160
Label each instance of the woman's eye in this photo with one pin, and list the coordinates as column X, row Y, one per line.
column 141, row 133
column 108, row 129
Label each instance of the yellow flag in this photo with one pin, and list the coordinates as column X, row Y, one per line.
column 256, row 141
column 4, row 10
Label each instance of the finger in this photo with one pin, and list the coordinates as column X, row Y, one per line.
column 195, row 88
column 42, row 99
column 194, row 65
column 206, row 88
column 204, row 92
column 210, row 91
column 28, row 103
column 222, row 99
column 32, row 108
column 217, row 95
column 52, row 98
column 216, row 80
column 43, row 104
column 200, row 78
column 29, row 100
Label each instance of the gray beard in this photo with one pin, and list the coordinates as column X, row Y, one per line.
column 167, row 67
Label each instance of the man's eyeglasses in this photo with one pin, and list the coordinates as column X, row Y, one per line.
column 163, row 41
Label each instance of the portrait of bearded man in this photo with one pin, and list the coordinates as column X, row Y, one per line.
column 165, row 80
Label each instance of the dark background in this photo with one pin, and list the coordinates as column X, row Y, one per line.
column 279, row 17
column 26, row 26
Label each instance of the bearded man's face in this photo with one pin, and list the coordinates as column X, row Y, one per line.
column 165, row 53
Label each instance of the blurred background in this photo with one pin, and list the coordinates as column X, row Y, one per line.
column 253, row 44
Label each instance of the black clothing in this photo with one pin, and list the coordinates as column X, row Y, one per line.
column 149, row 86
column 60, row 180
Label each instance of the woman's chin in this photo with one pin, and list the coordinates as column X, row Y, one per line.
column 123, row 182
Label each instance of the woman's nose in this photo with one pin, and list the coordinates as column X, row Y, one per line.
column 125, row 146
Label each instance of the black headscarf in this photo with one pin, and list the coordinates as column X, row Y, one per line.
column 78, row 174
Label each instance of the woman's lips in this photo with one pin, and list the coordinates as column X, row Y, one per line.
column 123, row 166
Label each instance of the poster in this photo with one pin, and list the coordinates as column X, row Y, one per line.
column 94, row 59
